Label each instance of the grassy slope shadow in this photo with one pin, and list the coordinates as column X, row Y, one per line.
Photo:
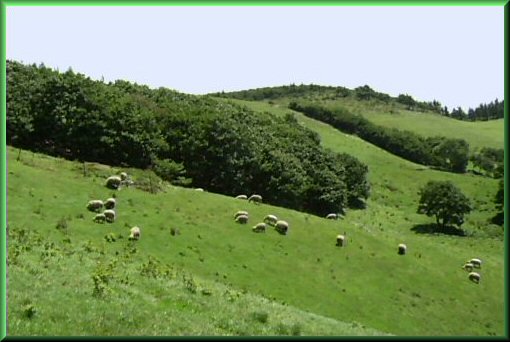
column 432, row 228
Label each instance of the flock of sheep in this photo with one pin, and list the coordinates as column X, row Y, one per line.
column 469, row 266
column 242, row 217
column 108, row 215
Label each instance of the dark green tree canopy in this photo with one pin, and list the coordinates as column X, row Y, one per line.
column 445, row 201
column 187, row 140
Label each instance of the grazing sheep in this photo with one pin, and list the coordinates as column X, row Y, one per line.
column 99, row 218
column 340, row 240
column 241, row 197
column 282, row 227
column 255, row 198
column 468, row 266
column 332, row 216
column 477, row 263
column 259, row 227
column 271, row 219
column 242, row 219
column 134, row 233
column 199, row 189
column 402, row 248
column 474, row 277
column 240, row 212
column 113, row 182
column 110, row 215
column 123, row 176
column 109, row 203
column 95, row 205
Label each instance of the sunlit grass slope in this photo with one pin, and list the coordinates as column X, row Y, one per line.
column 217, row 277
column 478, row 133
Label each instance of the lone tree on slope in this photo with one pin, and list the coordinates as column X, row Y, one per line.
column 445, row 201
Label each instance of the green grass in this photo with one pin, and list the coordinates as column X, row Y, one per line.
column 478, row 134
column 255, row 284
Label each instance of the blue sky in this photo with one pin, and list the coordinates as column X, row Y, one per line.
column 452, row 54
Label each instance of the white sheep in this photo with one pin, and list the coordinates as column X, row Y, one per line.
column 402, row 248
column 271, row 219
column 110, row 215
column 110, row 203
column 255, row 198
column 123, row 176
column 332, row 216
column 340, row 240
column 241, row 212
column 242, row 219
column 259, row 227
column 282, row 227
column 468, row 266
column 99, row 218
column 113, row 182
column 95, row 205
column 477, row 263
column 241, row 197
column 474, row 277
column 134, row 233
column 199, row 189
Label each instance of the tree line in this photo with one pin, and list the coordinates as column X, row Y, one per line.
column 188, row 140
column 484, row 112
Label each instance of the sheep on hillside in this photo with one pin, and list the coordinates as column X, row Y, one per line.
column 255, row 198
column 123, row 176
column 474, row 277
column 402, row 248
column 95, row 205
column 259, row 227
column 282, row 227
column 110, row 203
column 99, row 218
column 340, row 240
column 240, row 212
column 199, row 189
column 332, row 216
column 242, row 219
column 271, row 219
column 468, row 266
column 241, row 197
column 477, row 263
column 110, row 215
column 113, row 182
column 134, row 233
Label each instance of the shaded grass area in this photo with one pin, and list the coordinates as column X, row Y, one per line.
column 431, row 228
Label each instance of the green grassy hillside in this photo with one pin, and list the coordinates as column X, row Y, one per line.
column 478, row 133
column 218, row 277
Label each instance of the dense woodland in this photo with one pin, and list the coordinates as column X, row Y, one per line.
column 187, row 140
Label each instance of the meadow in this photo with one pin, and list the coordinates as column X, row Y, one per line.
column 196, row 272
